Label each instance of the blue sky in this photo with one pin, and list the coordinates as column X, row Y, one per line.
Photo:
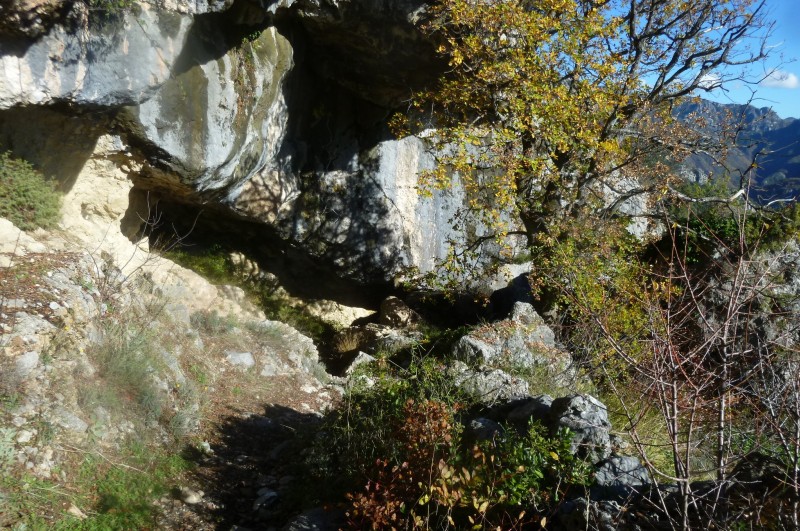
column 781, row 91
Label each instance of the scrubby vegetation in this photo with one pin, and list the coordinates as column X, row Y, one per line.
column 555, row 119
column 397, row 451
column 683, row 322
column 215, row 264
column 686, row 337
column 27, row 198
column 119, row 493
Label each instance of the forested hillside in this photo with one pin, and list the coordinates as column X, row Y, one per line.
column 766, row 149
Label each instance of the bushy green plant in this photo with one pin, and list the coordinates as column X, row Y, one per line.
column 400, row 427
column 425, row 436
column 585, row 274
column 363, row 428
column 708, row 227
column 513, row 481
column 27, row 199
column 212, row 262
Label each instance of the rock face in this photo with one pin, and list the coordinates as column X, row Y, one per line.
column 121, row 63
column 587, row 419
column 622, row 471
column 219, row 121
column 490, row 386
column 271, row 115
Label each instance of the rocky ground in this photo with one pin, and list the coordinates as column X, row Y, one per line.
column 245, row 476
column 233, row 390
column 108, row 369
column 238, row 396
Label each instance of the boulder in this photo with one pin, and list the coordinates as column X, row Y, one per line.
column 621, row 471
column 489, row 386
column 374, row 338
column 243, row 360
column 483, row 429
column 372, row 48
column 396, row 313
column 584, row 513
column 292, row 350
column 758, row 470
column 587, row 419
column 362, row 358
column 522, row 342
column 69, row 420
column 317, row 519
column 533, row 409
column 16, row 242
column 26, row 363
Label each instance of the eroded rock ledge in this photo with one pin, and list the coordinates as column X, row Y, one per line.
column 274, row 114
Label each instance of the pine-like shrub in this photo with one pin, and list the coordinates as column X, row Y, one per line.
column 27, row 198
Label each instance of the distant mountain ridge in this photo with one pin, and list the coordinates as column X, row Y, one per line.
column 777, row 171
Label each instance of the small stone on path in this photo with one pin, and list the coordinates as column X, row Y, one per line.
column 189, row 496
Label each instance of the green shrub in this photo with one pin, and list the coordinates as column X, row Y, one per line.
column 110, row 8
column 27, row 199
column 362, row 429
column 401, row 428
column 213, row 262
column 512, row 482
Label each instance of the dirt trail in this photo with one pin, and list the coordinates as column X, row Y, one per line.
column 257, row 436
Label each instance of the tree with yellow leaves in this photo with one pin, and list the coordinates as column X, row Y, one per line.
column 554, row 109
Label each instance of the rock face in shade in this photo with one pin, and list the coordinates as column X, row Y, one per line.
column 268, row 119
column 587, row 419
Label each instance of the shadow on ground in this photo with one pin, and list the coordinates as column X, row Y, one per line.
column 257, row 477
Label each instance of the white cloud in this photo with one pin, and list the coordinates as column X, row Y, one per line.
column 781, row 79
column 709, row 81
